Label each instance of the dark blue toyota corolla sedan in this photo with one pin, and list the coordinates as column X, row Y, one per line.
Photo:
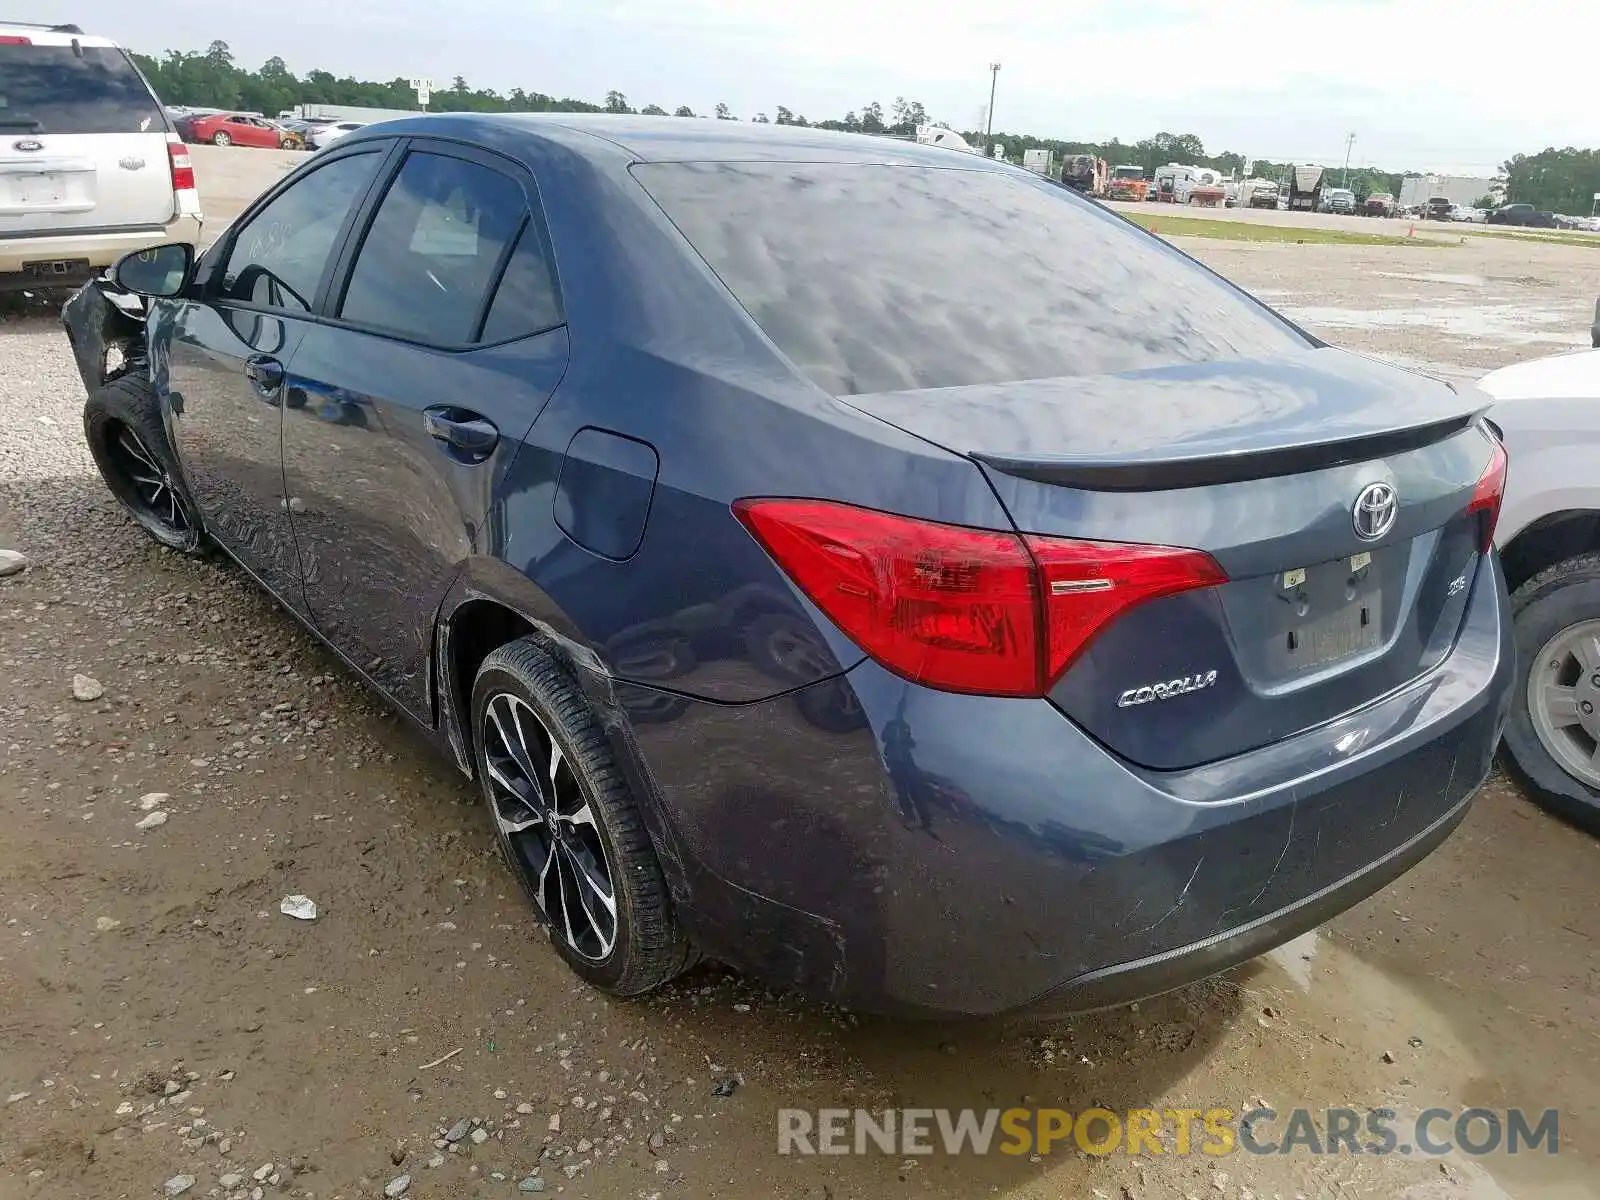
column 870, row 565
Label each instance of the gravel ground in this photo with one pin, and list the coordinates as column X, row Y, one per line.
column 163, row 1022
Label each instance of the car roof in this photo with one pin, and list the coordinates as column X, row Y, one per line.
column 688, row 139
column 54, row 35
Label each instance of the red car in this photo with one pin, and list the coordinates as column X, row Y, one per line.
column 236, row 129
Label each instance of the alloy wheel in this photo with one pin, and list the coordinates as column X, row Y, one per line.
column 150, row 483
column 547, row 825
column 1564, row 700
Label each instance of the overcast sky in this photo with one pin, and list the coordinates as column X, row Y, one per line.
column 1453, row 85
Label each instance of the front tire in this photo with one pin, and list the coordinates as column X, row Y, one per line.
column 569, row 826
column 1552, row 743
column 221, row 139
column 122, row 424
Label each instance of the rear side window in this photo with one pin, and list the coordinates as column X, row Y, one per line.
column 434, row 249
column 279, row 255
column 890, row 278
column 50, row 89
column 526, row 300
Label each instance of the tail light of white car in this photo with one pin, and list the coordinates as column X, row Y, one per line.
column 185, row 194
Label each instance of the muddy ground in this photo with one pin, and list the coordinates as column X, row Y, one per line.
column 159, row 1017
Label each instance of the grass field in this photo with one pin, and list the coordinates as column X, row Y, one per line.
column 1553, row 237
column 1241, row 231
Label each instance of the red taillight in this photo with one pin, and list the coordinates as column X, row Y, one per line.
column 964, row 610
column 11, row 39
column 182, row 167
column 1087, row 585
column 1490, row 491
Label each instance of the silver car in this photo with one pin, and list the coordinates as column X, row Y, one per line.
column 323, row 137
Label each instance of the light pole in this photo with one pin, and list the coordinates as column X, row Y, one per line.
column 988, row 125
column 1349, row 141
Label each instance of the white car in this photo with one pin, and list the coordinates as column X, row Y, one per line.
column 90, row 167
column 321, row 139
column 1548, row 412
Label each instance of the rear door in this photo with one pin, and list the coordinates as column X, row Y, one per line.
column 406, row 406
column 83, row 142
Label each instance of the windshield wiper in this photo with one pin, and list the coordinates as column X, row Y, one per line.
column 30, row 126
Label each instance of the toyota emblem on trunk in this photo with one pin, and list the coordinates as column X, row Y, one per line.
column 1374, row 511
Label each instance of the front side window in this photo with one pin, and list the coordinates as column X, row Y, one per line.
column 434, row 249
column 889, row 278
column 279, row 255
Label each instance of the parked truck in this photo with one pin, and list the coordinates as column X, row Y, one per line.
column 1305, row 188
column 1037, row 161
column 1085, row 173
column 1127, row 182
column 1174, row 182
column 1258, row 193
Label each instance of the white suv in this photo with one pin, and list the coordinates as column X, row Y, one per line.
column 90, row 168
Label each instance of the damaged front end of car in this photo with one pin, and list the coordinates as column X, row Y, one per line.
column 106, row 329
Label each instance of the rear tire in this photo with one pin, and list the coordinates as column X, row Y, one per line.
column 221, row 139
column 1557, row 617
column 569, row 826
column 122, row 424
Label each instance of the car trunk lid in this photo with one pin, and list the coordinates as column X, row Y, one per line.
column 1332, row 490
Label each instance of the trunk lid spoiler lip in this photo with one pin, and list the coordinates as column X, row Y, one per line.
column 1188, row 424
column 1197, row 468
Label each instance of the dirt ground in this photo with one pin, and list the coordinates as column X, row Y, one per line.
column 159, row 1017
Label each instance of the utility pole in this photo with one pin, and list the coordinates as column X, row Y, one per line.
column 1349, row 142
column 988, row 126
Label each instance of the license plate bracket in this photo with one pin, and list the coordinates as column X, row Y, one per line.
column 40, row 188
column 1334, row 612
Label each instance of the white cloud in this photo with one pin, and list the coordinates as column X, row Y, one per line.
column 1425, row 83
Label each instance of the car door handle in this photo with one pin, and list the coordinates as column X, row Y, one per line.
column 265, row 375
column 470, row 438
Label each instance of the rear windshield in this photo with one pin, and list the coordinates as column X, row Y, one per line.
column 890, row 278
column 50, row 89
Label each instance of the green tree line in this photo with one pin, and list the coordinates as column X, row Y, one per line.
column 1563, row 181
column 1560, row 180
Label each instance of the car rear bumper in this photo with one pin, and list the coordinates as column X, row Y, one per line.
column 72, row 257
column 891, row 848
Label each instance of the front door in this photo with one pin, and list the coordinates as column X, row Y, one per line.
column 229, row 354
column 406, row 404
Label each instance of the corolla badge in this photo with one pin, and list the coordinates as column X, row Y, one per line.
column 1374, row 511
column 1166, row 690
column 28, row 145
